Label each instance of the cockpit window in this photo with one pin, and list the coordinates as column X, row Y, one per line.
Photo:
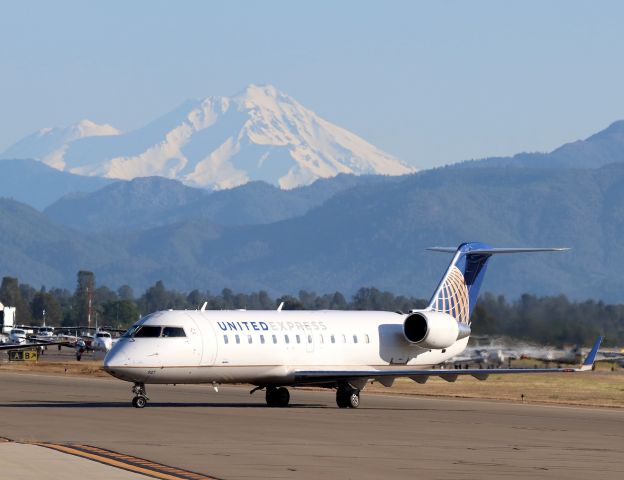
column 153, row 331
column 146, row 331
column 173, row 332
column 130, row 332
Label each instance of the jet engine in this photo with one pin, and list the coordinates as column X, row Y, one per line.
column 434, row 330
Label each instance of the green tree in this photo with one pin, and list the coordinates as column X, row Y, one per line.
column 154, row 299
column 45, row 302
column 83, row 298
column 120, row 313
column 125, row 292
column 290, row 303
column 11, row 295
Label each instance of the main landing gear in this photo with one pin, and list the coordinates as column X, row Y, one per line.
column 140, row 397
column 277, row 397
column 347, row 397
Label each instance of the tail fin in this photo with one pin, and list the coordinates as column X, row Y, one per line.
column 458, row 291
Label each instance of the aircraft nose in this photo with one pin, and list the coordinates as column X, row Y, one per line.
column 117, row 364
column 115, row 358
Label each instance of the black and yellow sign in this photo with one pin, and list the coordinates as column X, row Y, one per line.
column 22, row 355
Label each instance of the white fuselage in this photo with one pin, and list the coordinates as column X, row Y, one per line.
column 267, row 347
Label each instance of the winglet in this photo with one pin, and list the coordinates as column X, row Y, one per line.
column 591, row 356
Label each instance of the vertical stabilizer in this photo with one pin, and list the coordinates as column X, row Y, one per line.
column 458, row 291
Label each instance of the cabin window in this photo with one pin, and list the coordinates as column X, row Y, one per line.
column 262, row 339
column 344, row 338
column 366, row 339
column 309, row 338
column 173, row 332
column 286, row 339
column 354, row 338
column 333, row 339
column 237, row 338
column 298, row 338
column 225, row 339
column 249, row 339
column 147, row 331
column 274, row 338
column 321, row 338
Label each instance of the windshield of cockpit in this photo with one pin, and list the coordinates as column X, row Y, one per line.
column 154, row 331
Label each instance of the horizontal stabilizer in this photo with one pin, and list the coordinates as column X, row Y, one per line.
column 492, row 251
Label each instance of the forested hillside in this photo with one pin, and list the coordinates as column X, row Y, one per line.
column 372, row 234
column 546, row 320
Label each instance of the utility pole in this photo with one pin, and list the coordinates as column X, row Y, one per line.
column 89, row 309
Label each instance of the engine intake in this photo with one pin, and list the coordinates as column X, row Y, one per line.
column 433, row 330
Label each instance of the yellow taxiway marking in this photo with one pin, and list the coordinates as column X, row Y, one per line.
column 126, row 462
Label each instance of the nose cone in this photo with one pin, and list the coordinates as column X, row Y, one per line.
column 117, row 362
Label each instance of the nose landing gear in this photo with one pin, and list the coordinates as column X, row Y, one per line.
column 140, row 396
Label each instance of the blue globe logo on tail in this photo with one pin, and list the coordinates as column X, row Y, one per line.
column 453, row 296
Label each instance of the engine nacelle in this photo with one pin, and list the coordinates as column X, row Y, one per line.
column 433, row 330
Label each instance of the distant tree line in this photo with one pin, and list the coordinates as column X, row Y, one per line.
column 553, row 320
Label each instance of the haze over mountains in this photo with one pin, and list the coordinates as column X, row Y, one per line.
column 216, row 143
column 340, row 233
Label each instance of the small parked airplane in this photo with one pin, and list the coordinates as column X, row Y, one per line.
column 332, row 349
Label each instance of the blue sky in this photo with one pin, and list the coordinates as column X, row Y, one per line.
column 430, row 82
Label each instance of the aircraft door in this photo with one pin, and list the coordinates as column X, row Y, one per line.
column 195, row 343
column 207, row 340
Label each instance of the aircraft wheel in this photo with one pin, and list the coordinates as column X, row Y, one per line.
column 277, row 397
column 139, row 402
column 347, row 398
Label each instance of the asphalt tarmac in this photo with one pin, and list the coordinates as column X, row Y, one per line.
column 233, row 435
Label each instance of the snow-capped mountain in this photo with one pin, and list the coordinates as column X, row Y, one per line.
column 216, row 142
column 50, row 144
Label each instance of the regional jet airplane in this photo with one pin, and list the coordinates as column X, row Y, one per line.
column 334, row 349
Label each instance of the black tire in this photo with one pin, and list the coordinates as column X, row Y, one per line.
column 283, row 397
column 347, row 398
column 342, row 398
column 139, row 402
column 277, row 397
column 269, row 396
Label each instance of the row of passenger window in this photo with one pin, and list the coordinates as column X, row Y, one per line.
column 298, row 338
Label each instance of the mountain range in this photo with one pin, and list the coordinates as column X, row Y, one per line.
column 373, row 234
column 339, row 233
column 261, row 134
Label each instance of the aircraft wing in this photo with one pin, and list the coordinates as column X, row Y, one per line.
column 303, row 377
column 30, row 345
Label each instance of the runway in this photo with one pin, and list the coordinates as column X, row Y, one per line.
column 233, row 435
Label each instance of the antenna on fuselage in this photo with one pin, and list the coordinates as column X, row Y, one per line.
column 281, row 305
column 203, row 307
